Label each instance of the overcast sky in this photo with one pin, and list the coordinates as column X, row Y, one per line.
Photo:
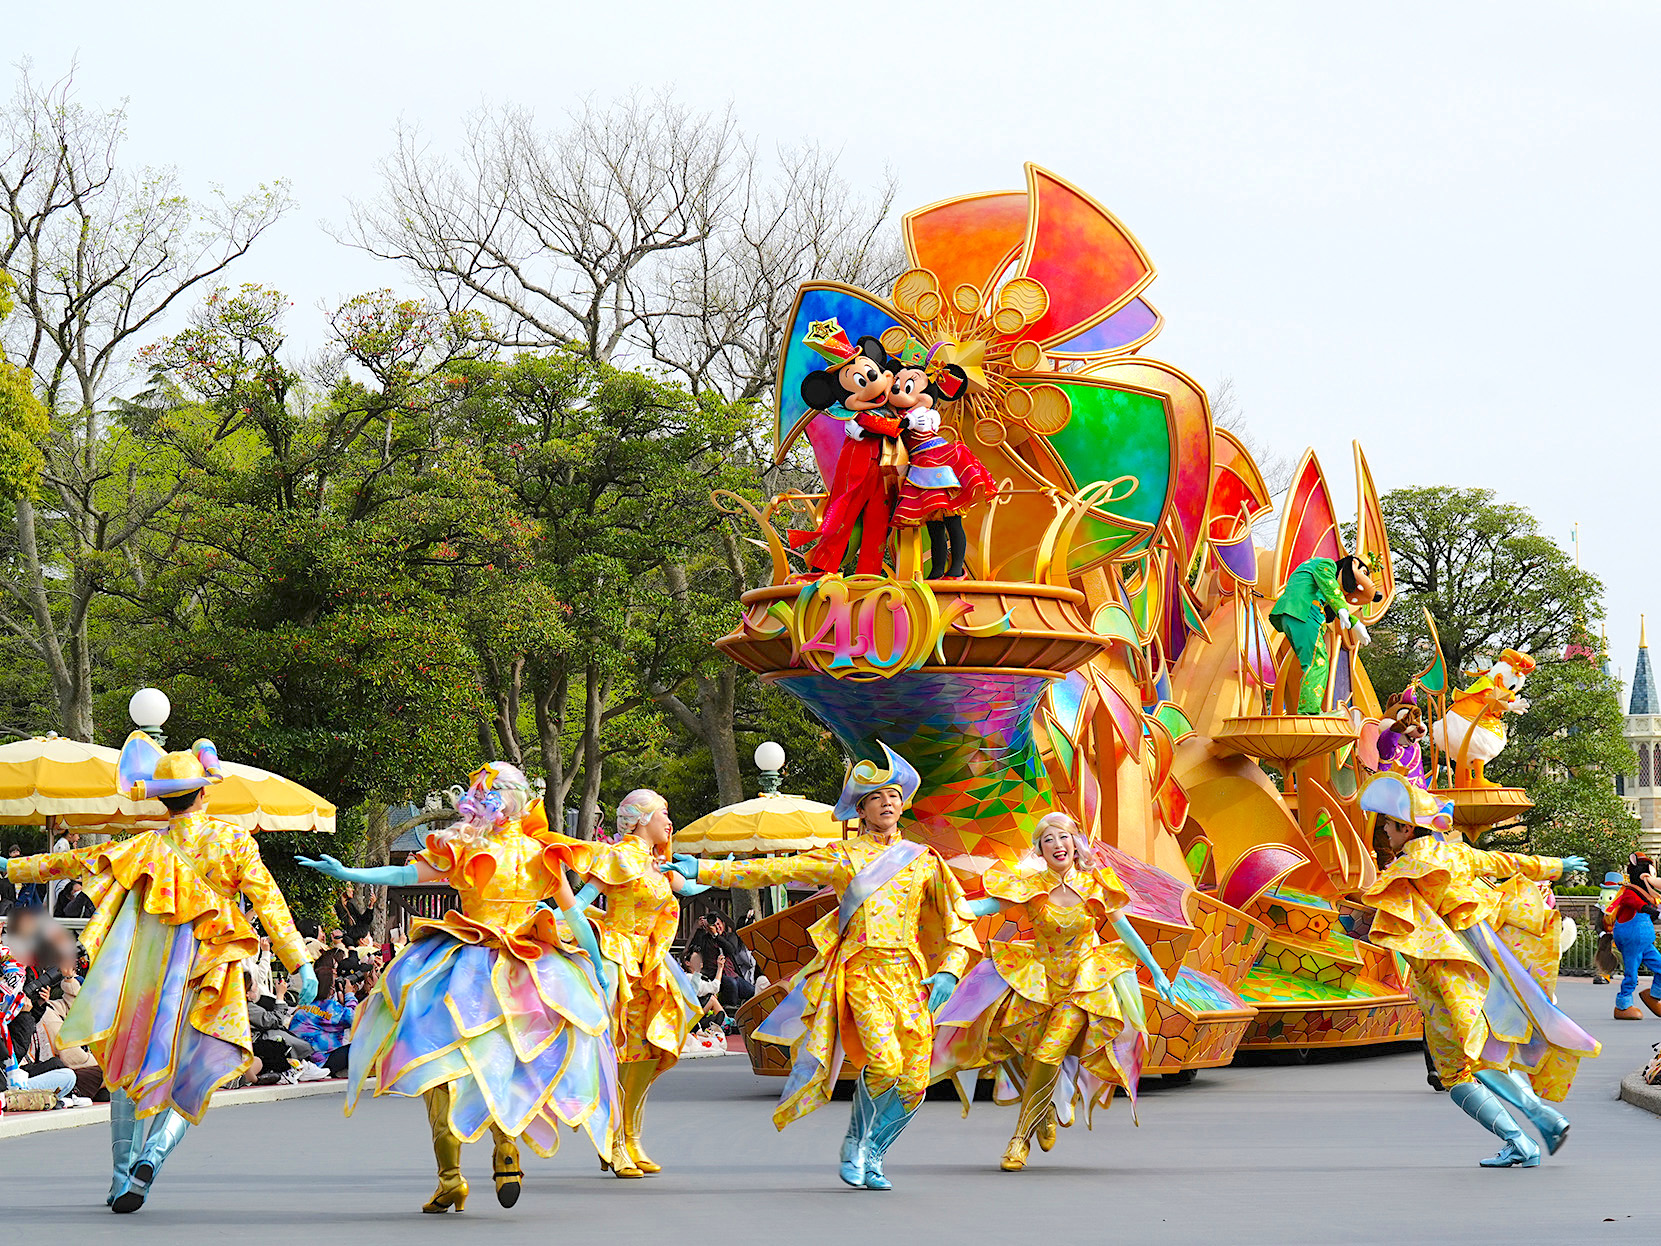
column 1432, row 227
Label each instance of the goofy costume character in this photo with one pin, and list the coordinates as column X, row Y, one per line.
column 858, row 380
column 887, row 959
column 1632, row 917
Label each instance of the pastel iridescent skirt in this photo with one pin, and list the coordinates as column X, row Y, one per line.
column 524, row 1045
column 137, row 1009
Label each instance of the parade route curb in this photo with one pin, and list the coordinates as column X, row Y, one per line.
column 1640, row 1095
column 17, row 1124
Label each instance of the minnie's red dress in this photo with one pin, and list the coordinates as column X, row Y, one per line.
column 944, row 479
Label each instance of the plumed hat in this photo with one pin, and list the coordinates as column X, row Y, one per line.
column 146, row 772
column 866, row 777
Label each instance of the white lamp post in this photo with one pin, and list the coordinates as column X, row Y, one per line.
column 770, row 761
column 149, row 709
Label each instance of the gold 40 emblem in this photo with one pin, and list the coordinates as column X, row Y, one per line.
column 866, row 627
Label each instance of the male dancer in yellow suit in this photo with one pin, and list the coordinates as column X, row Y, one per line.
column 886, row 960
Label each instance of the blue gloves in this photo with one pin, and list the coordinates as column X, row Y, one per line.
column 16, row 1079
column 1133, row 941
column 307, row 978
column 685, row 866
column 379, row 876
column 583, row 932
column 1574, row 865
column 940, row 985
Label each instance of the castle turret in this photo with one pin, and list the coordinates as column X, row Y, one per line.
column 1642, row 790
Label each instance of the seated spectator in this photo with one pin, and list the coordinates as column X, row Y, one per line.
column 15, row 1003
column 738, row 967
column 49, row 1044
column 327, row 1025
column 73, row 902
column 274, row 1043
column 259, row 966
column 708, row 989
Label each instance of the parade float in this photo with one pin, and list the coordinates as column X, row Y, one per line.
column 1101, row 642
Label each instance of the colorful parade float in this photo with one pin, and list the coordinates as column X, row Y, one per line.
column 1107, row 648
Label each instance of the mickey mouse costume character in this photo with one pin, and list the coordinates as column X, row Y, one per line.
column 859, row 381
column 944, row 478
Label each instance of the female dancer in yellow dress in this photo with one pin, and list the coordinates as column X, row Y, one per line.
column 490, row 1013
column 1061, row 1013
column 163, row 1007
column 655, row 1005
column 1493, row 1031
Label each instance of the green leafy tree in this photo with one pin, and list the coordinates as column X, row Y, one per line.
column 99, row 251
column 299, row 605
column 1492, row 580
column 615, row 470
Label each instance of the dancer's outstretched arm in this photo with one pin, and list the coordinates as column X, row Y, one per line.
column 1133, row 941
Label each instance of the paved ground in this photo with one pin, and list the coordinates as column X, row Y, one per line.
column 1357, row 1150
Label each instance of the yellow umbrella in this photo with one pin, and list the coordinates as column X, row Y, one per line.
column 66, row 780
column 772, row 822
column 74, row 784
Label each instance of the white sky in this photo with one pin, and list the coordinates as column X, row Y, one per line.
column 1430, row 226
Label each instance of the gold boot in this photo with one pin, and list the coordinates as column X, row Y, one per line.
column 621, row 1162
column 1036, row 1114
column 504, row 1161
column 452, row 1186
column 1015, row 1155
column 1045, row 1134
column 636, row 1077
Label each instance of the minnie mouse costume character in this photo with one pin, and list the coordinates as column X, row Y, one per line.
column 859, row 380
column 944, row 478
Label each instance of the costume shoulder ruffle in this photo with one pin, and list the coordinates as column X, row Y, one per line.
column 1100, row 889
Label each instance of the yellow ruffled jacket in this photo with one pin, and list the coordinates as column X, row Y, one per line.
column 1066, row 963
column 1426, row 899
column 1066, row 960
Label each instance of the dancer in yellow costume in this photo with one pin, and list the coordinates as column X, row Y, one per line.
column 163, row 1007
column 490, row 1014
column 654, row 1004
column 868, row 995
column 1060, row 1013
column 1490, row 1023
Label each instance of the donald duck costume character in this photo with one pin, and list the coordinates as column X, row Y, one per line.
column 163, row 1007
column 886, row 959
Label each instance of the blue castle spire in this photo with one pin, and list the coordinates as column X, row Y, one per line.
column 1644, row 700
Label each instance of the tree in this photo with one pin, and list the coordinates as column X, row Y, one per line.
column 1491, row 581
column 615, row 469
column 639, row 227
column 301, row 597
column 98, row 253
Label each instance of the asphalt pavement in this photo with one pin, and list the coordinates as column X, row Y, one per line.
column 1340, row 1151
